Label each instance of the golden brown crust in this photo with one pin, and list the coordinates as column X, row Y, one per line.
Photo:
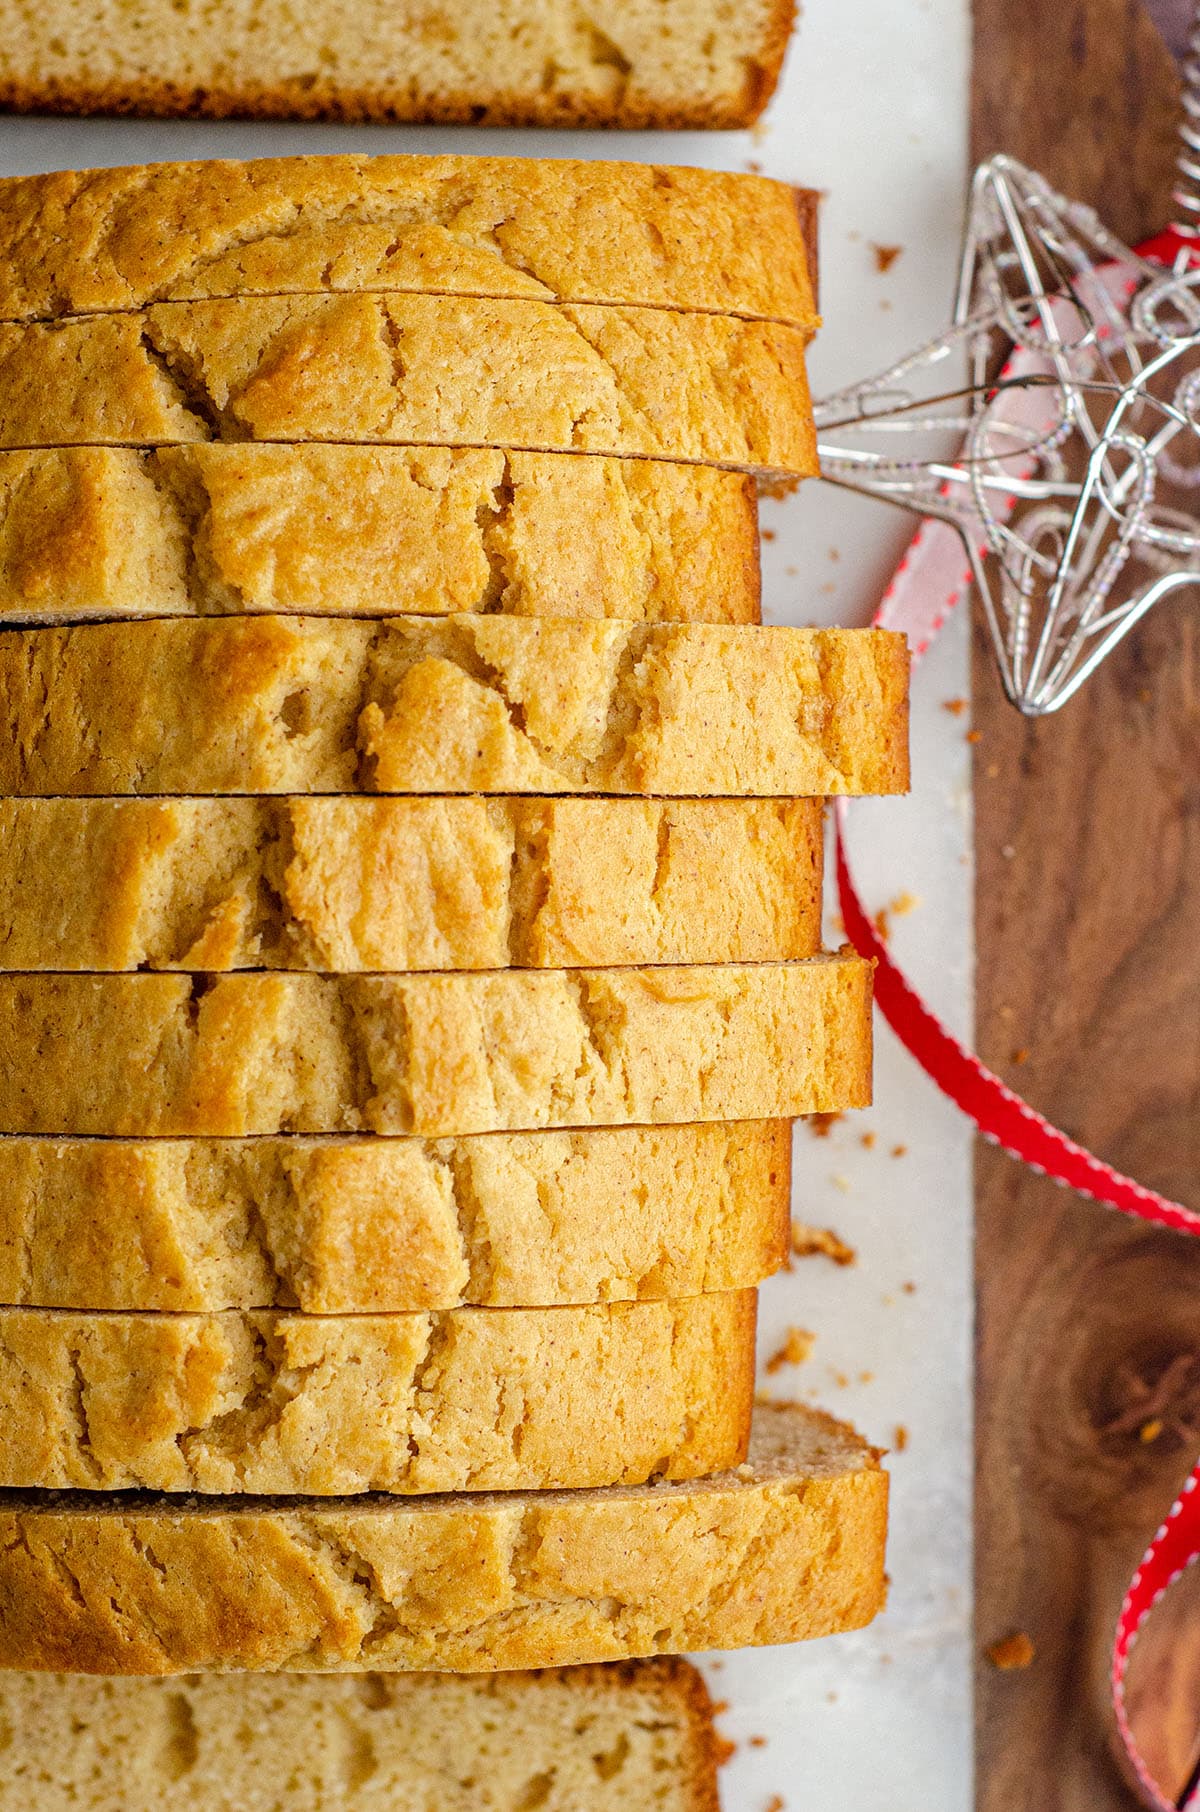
column 364, row 1225
column 344, row 885
column 74, row 242
column 433, row 1055
column 632, row 1736
column 147, row 98
column 467, row 1400
column 214, row 529
column 788, row 1547
column 480, row 704
column 397, row 369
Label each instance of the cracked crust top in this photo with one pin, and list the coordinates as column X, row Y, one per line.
column 345, row 885
column 789, row 1546
column 153, row 1056
column 471, row 704
column 443, row 370
column 77, row 241
column 363, row 1225
column 470, row 1399
column 215, row 529
column 629, row 1737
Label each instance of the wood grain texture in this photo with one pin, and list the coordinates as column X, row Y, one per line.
column 1088, row 848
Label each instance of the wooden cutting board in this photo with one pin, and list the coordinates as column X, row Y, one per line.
column 1088, row 998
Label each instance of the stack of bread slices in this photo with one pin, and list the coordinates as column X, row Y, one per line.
column 410, row 920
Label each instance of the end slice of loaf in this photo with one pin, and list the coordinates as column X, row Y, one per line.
column 76, row 241
column 353, row 1226
column 150, row 1056
column 630, row 1737
column 467, row 1400
column 344, row 885
column 456, row 371
column 217, row 529
column 466, row 704
column 788, row 1546
column 507, row 63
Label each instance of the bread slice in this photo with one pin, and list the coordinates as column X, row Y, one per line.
column 269, row 1401
column 552, row 230
column 510, row 63
column 350, row 531
column 511, row 1050
column 351, row 1226
column 456, row 371
column 467, row 704
column 788, row 1546
column 631, row 1737
column 344, row 884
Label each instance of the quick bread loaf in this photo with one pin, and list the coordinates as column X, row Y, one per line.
column 410, row 948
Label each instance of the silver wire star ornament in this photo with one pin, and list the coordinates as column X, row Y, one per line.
column 1069, row 463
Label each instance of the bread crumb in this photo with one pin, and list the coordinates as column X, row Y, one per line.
column 955, row 706
column 821, row 1125
column 840, row 1181
column 899, row 1151
column 897, row 908
column 823, row 1242
column 866, row 1377
column 768, row 534
column 900, row 1438
column 757, row 1742
column 776, row 1803
column 797, row 1345
column 723, row 1750
column 1020, row 1055
column 992, row 770
column 868, row 1140
column 909, row 1288
column 1015, row 1651
column 841, row 1380
column 719, row 1705
column 1150, row 1431
column 885, row 256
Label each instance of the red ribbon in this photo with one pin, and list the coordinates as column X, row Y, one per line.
column 917, row 603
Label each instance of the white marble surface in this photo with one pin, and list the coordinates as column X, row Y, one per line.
column 873, row 111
